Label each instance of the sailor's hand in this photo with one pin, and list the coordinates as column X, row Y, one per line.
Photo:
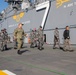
column 15, row 37
column 68, row 37
column 26, row 35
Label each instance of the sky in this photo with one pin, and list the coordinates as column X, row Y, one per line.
column 3, row 5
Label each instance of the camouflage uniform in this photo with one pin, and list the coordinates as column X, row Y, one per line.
column 56, row 39
column 4, row 37
column 40, row 38
column 32, row 39
column 35, row 38
column 19, row 33
column 15, row 40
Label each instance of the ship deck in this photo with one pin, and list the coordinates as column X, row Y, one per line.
column 35, row 62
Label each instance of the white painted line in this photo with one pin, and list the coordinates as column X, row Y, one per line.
column 8, row 72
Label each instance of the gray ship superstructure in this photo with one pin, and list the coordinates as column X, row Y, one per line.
column 46, row 13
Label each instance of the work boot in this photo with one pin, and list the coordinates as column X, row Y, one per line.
column 2, row 49
column 31, row 46
column 19, row 52
column 54, row 47
column 71, row 50
column 65, row 50
column 35, row 45
column 15, row 47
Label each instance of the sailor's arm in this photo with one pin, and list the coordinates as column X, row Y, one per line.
column 15, row 33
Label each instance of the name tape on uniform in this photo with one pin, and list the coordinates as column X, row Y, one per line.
column 6, row 72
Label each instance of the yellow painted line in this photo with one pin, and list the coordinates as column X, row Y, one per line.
column 2, row 73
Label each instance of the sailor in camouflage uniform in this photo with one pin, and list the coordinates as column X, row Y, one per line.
column 19, row 34
column 40, row 38
column 32, row 39
column 15, row 41
column 56, row 38
column 4, row 37
column 35, row 37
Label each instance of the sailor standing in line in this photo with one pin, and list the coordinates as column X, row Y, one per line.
column 18, row 34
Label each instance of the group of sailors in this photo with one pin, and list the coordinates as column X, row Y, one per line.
column 66, row 37
column 36, row 39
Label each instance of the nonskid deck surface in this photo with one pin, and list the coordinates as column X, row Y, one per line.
column 35, row 62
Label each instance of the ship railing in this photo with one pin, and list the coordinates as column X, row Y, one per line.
column 30, row 4
column 36, row 2
column 41, row 1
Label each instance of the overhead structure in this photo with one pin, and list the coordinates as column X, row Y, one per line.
column 16, row 4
